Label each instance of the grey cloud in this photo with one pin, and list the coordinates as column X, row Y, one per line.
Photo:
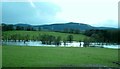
column 14, row 12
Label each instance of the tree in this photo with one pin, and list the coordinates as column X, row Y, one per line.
column 66, row 30
column 47, row 39
column 64, row 41
column 26, row 37
column 6, row 27
column 19, row 28
column 43, row 39
column 51, row 39
column 107, row 36
column 86, row 41
column 57, row 40
column 70, row 38
column 77, row 31
column 71, row 30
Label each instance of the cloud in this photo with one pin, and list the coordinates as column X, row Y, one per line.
column 107, row 23
column 96, row 13
column 29, row 12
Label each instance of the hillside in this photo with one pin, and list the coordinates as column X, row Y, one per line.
column 53, row 27
column 61, row 27
column 35, row 34
column 70, row 25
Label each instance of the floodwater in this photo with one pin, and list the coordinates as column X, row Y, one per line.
column 73, row 44
column 39, row 43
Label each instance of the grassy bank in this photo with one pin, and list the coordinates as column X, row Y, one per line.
column 23, row 56
column 35, row 34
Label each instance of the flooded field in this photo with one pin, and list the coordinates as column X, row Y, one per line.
column 62, row 44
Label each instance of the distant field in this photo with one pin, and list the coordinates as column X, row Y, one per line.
column 24, row 56
column 76, row 37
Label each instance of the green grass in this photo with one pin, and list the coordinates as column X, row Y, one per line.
column 76, row 37
column 24, row 56
column 0, row 56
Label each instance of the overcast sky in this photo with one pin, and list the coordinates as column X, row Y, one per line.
column 92, row 12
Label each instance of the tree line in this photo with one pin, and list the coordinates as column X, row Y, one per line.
column 107, row 36
column 10, row 27
column 44, row 38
